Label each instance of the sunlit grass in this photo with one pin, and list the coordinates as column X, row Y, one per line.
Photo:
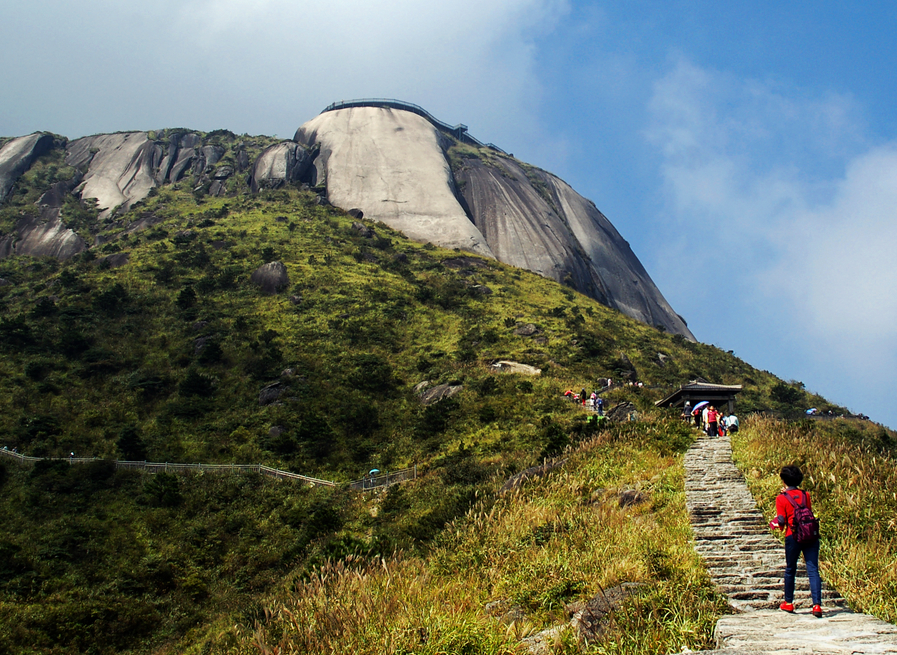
column 558, row 539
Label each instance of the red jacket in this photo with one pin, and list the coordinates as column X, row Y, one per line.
column 784, row 509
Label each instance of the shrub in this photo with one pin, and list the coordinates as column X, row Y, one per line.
column 196, row 384
column 130, row 445
column 163, row 490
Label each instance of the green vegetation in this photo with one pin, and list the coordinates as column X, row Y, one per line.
column 177, row 357
column 850, row 470
column 557, row 540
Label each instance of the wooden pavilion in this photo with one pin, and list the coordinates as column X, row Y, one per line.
column 700, row 390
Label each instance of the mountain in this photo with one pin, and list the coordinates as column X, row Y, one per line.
column 226, row 313
column 389, row 160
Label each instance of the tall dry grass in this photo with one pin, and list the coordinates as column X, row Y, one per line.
column 850, row 470
column 561, row 538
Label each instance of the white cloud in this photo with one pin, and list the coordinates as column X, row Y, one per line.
column 840, row 272
column 462, row 60
column 779, row 199
column 266, row 66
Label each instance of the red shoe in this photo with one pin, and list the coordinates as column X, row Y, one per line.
column 789, row 607
column 817, row 611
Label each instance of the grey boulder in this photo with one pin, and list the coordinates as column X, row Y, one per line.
column 271, row 277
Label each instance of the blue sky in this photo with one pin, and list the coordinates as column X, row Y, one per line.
column 747, row 151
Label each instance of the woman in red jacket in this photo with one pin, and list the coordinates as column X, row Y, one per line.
column 792, row 477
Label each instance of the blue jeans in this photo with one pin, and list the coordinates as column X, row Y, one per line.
column 811, row 558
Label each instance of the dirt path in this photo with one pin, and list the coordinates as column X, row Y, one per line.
column 747, row 564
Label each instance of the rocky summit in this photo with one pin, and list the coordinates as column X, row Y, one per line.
column 388, row 161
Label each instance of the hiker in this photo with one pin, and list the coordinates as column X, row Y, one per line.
column 732, row 424
column 583, row 396
column 712, row 417
column 784, row 520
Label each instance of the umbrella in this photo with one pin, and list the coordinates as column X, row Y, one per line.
column 699, row 406
column 812, row 410
column 374, row 471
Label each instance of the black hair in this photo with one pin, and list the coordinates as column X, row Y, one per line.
column 791, row 476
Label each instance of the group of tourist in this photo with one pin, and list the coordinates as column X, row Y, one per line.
column 709, row 419
column 591, row 401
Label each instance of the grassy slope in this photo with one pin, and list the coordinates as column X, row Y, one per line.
column 558, row 539
column 105, row 362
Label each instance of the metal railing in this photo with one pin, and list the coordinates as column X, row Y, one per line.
column 384, row 479
column 364, row 484
column 458, row 131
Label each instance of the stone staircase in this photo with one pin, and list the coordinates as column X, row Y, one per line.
column 747, row 564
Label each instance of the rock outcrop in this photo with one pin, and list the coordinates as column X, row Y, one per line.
column 16, row 157
column 120, row 168
column 271, row 277
column 393, row 166
column 382, row 161
column 279, row 164
column 44, row 234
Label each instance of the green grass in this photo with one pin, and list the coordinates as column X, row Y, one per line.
column 558, row 539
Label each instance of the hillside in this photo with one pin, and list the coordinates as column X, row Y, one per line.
column 389, row 160
column 156, row 344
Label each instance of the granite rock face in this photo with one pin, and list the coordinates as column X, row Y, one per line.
column 16, row 157
column 120, row 168
column 279, row 164
column 43, row 236
column 393, row 166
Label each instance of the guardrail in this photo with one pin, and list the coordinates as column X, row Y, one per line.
column 364, row 484
column 458, row 131
column 384, row 479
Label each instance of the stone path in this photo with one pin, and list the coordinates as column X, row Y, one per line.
column 747, row 563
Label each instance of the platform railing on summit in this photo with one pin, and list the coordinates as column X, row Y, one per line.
column 458, row 131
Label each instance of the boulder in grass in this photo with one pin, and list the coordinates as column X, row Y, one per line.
column 271, row 278
column 506, row 366
column 439, row 393
column 116, row 260
column 271, row 393
column 630, row 497
column 590, row 620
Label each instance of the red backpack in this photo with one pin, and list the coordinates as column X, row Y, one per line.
column 804, row 525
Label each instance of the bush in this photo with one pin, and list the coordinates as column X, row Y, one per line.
column 371, row 372
column 163, row 490
column 196, row 384
column 130, row 445
column 785, row 394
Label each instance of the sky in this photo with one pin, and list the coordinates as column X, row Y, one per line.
column 747, row 151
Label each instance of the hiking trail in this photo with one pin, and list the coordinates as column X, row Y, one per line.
column 747, row 564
